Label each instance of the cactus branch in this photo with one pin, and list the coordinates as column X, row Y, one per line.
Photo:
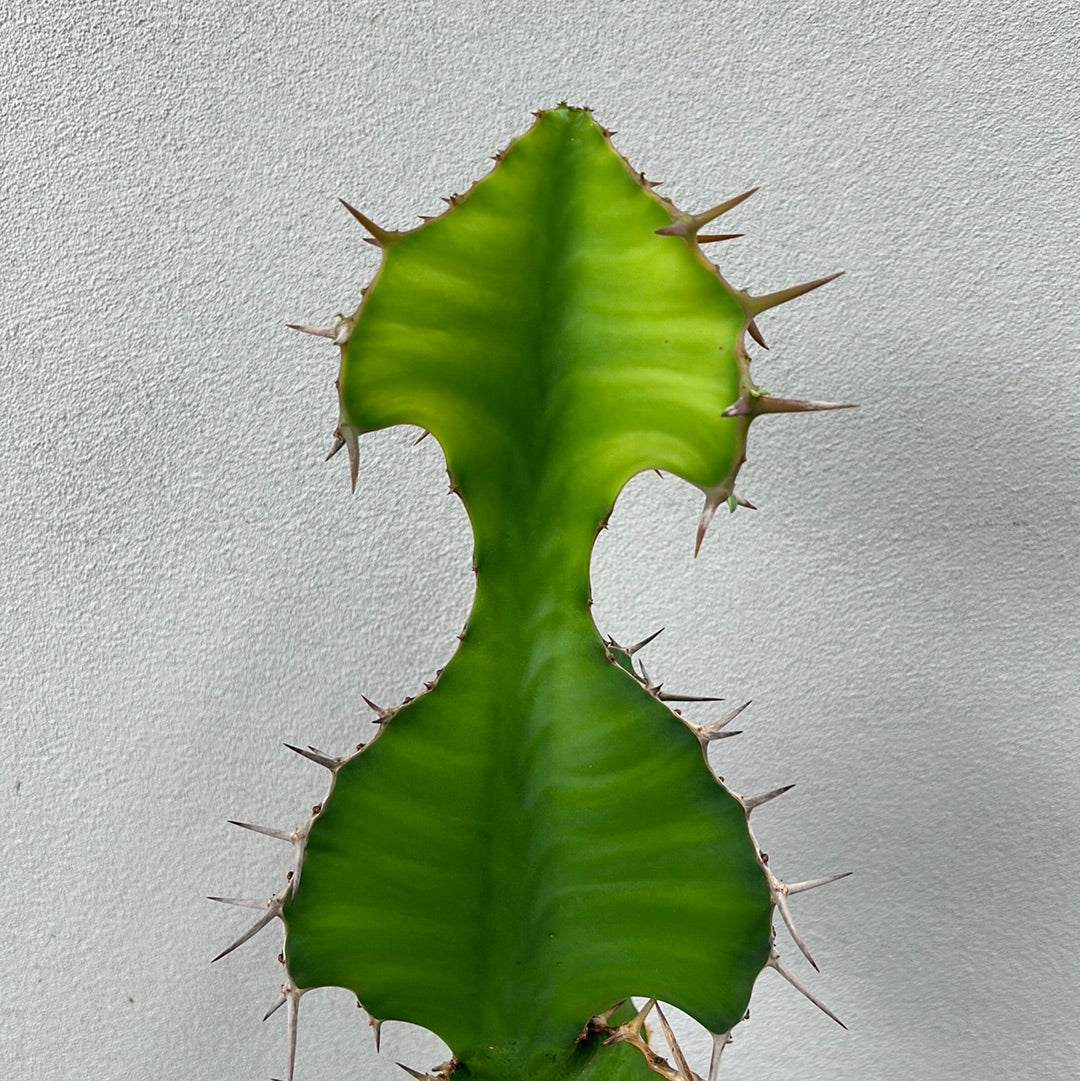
column 485, row 867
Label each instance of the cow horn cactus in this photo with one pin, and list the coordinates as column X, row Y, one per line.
column 539, row 837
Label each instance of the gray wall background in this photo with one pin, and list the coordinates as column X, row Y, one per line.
column 185, row 585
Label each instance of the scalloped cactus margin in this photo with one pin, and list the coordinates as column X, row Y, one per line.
column 535, row 839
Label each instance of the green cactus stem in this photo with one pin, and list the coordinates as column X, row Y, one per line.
column 540, row 836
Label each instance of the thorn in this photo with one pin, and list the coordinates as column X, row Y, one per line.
column 421, row 437
column 339, row 333
column 713, row 238
column 758, row 403
column 297, row 838
column 756, row 334
column 630, row 1031
column 706, row 733
column 384, row 715
column 631, row 650
column 293, row 996
column 379, row 237
column 652, row 688
column 757, row 305
column 676, row 1050
column 665, row 697
column 812, row 884
column 774, row 962
column 750, row 802
column 730, row 716
column 785, row 915
column 605, row 1017
column 711, row 503
column 319, row 332
column 320, row 759
column 376, row 1030
column 281, row 835
column 237, row 901
column 415, row 1073
column 282, row 999
column 273, row 910
column 345, row 435
column 688, row 224
column 720, row 1040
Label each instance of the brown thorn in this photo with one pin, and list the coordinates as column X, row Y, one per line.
column 703, row 525
column 689, row 224
column 339, row 442
column 606, row 1016
column 630, row 1031
column 750, row 802
column 317, row 757
column 713, row 238
column 379, row 236
column 757, row 305
column 757, row 404
column 756, row 334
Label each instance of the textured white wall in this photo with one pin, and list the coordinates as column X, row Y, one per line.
column 185, row 585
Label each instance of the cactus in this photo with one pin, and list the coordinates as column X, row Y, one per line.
column 540, row 836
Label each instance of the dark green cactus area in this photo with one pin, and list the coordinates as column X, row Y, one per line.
column 540, row 835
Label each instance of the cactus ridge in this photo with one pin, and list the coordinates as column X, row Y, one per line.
column 533, row 839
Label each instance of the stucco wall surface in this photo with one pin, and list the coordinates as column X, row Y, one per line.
column 185, row 585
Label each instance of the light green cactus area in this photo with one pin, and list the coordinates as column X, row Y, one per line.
column 540, row 836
